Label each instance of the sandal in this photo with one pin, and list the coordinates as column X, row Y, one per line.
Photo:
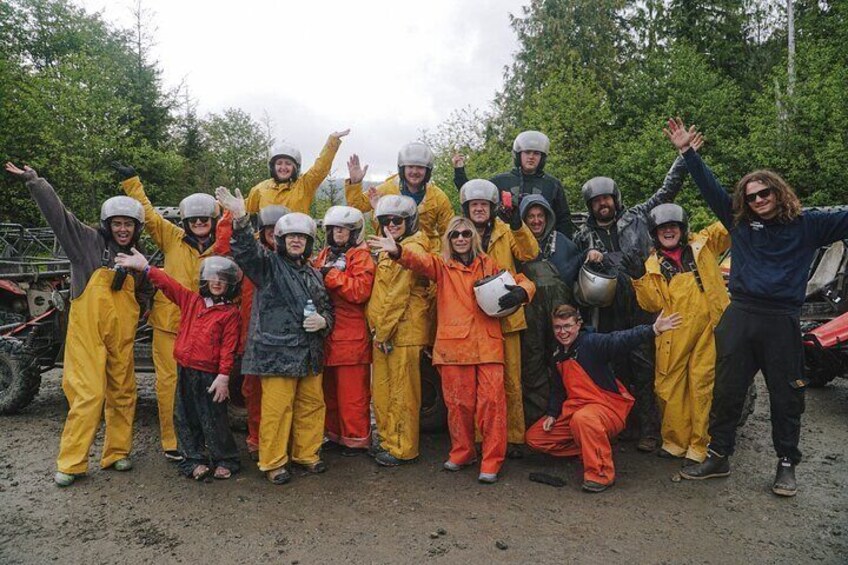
column 200, row 472
column 222, row 473
column 315, row 468
column 278, row 476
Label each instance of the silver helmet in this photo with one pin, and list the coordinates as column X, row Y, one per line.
column 222, row 269
column 666, row 214
column 479, row 189
column 601, row 186
column 269, row 215
column 400, row 206
column 198, row 205
column 346, row 217
column 290, row 152
column 416, row 153
column 531, row 141
column 295, row 222
column 122, row 206
column 594, row 288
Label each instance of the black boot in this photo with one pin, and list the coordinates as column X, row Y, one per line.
column 784, row 480
column 713, row 466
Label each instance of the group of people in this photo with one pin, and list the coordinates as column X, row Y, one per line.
column 546, row 337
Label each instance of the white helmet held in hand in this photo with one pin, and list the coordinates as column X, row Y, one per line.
column 489, row 290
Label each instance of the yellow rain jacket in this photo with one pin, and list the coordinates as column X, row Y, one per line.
column 434, row 212
column 297, row 196
column 685, row 357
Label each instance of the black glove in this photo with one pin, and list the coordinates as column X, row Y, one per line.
column 634, row 265
column 124, row 171
column 516, row 297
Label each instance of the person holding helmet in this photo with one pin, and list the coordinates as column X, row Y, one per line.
column 291, row 316
column 682, row 275
column 529, row 153
column 287, row 186
column 398, row 316
column 251, row 386
column 348, row 277
column 610, row 233
column 469, row 350
column 506, row 240
column 183, row 248
column 553, row 272
column 98, row 375
column 588, row 406
column 205, row 352
column 415, row 168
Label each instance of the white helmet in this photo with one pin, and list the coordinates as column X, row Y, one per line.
column 594, row 288
column 222, row 269
column 416, row 153
column 122, row 206
column 479, row 189
column 531, row 141
column 346, row 217
column 400, row 206
column 269, row 215
column 489, row 290
column 295, row 222
column 198, row 205
column 292, row 153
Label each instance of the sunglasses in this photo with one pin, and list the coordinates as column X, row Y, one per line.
column 199, row 220
column 764, row 193
column 464, row 234
column 393, row 220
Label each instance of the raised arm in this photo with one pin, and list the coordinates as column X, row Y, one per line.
column 248, row 253
column 672, row 183
column 162, row 232
column 424, row 264
column 223, row 234
column 312, row 179
column 828, row 226
column 459, row 175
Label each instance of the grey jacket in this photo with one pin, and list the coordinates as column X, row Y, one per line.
column 632, row 223
column 87, row 248
column 277, row 344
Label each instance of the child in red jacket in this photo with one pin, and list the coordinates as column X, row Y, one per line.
column 205, row 351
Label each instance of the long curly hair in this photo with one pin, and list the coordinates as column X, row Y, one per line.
column 788, row 205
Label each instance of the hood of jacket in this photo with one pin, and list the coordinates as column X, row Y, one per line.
column 539, row 200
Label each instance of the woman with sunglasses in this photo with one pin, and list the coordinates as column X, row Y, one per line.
column 400, row 324
column 773, row 243
column 469, row 347
column 184, row 248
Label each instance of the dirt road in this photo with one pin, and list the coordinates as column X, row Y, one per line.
column 359, row 513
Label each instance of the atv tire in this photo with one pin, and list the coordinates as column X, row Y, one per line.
column 434, row 413
column 20, row 378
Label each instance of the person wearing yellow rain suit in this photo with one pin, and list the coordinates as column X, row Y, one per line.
column 682, row 275
column 287, row 187
column 183, row 248
column 98, row 376
column 401, row 327
column 415, row 167
column 506, row 239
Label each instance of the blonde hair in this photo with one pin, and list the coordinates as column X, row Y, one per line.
column 459, row 223
column 788, row 205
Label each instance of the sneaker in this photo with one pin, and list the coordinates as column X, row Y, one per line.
column 124, row 464
column 454, row 467
column 593, row 486
column 64, row 479
column 712, row 467
column 514, row 451
column 386, row 459
column 784, row 480
column 487, row 478
column 648, row 444
column 174, row 456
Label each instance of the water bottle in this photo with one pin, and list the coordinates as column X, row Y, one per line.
column 309, row 309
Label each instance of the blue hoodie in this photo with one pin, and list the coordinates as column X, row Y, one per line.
column 553, row 245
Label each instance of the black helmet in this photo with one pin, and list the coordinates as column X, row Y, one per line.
column 600, row 186
column 666, row 214
column 222, row 269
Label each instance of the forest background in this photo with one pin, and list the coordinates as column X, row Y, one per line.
column 766, row 81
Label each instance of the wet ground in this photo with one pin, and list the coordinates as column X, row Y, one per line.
column 359, row 513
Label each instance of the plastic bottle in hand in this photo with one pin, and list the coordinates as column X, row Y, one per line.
column 309, row 309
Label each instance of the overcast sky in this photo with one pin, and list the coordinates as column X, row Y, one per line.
column 385, row 69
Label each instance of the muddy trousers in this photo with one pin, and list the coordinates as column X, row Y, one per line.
column 292, row 411
column 476, row 393
column 251, row 389
column 747, row 342
column 347, row 395
column 396, row 390
column 585, row 432
column 202, row 425
column 636, row 370
column 98, row 376
column 512, row 386
column 166, row 385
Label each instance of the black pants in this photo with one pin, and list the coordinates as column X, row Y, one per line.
column 747, row 342
column 202, row 425
column 636, row 371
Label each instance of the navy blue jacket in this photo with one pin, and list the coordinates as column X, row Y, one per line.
column 594, row 352
column 771, row 260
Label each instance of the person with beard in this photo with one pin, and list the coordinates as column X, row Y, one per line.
column 773, row 243
column 251, row 385
column 507, row 240
column 553, row 272
column 98, row 375
column 682, row 275
column 398, row 315
column 292, row 314
column 348, row 272
column 183, row 248
column 469, row 347
column 415, row 168
column 287, row 186
column 529, row 154
column 610, row 233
